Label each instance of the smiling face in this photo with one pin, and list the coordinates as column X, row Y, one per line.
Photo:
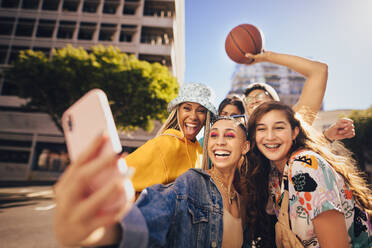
column 255, row 98
column 191, row 119
column 226, row 144
column 274, row 137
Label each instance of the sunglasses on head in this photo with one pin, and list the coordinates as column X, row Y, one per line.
column 241, row 119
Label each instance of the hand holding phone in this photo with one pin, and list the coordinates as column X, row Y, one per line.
column 86, row 119
column 84, row 217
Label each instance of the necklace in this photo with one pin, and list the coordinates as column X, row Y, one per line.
column 230, row 194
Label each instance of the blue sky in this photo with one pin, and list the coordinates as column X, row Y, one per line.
column 337, row 32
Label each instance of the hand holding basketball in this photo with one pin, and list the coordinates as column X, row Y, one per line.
column 243, row 39
column 257, row 58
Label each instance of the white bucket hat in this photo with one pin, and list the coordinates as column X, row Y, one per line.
column 195, row 92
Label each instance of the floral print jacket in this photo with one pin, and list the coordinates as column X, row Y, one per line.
column 315, row 187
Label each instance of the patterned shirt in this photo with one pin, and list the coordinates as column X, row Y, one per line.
column 315, row 187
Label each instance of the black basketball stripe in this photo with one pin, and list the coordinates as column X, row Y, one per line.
column 236, row 44
column 250, row 35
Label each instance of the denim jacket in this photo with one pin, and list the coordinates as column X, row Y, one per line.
column 185, row 213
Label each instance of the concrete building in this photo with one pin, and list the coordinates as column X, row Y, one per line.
column 31, row 147
column 287, row 83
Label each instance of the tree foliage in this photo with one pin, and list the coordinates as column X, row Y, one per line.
column 361, row 144
column 137, row 90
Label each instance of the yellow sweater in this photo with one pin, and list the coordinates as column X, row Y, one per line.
column 163, row 158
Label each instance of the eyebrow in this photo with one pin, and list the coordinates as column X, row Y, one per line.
column 277, row 122
column 225, row 130
column 280, row 122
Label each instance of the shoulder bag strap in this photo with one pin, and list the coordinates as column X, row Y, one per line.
column 284, row 209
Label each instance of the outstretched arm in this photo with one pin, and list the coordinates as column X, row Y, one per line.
column 316, row 74
column 89, row 216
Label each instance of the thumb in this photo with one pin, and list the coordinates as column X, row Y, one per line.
column 249, row 55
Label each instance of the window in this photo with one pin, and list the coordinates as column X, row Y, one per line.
column 127, row 32
column 161, row 9
column 11, row 156
column 30, row 4
column 86, row 30
column 66, row 29
column 125, row 37
column 3, row 53
column 70, row 5
column 50, row 157
column 164, row 60
column 25, row 27
column 129, row 10
column 110, row 6
column 50, row 4
column 90, row 6
column 6, row 24
column 16, row 143
column 156, row 36
column 9, row 3
column 45, row 28
column 107, row 32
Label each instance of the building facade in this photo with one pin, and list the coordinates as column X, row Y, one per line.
column 287, row 83
column 31, row 147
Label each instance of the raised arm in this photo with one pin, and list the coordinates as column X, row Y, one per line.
column 316, row 74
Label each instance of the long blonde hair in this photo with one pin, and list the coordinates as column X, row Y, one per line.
column 336, row 154
column 207, row 127
column 170, row 122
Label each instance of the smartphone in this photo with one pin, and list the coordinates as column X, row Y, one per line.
column 87, row 118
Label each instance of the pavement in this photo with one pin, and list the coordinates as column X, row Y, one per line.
column 26, row 214
column 26, row 217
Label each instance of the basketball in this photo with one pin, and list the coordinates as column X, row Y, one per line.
column 242, row 39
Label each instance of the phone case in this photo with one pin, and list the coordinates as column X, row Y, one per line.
column 87, row 118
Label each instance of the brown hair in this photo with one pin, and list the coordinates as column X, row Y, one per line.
column 235, row 101
column 337, row 155
column 254, row 181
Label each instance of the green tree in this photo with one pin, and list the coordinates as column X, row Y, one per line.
column 361, row 144
column 137, row 90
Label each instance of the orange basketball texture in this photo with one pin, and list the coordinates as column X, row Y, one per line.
column 242, row 39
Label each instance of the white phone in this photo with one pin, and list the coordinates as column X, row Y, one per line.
column 87, row 118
